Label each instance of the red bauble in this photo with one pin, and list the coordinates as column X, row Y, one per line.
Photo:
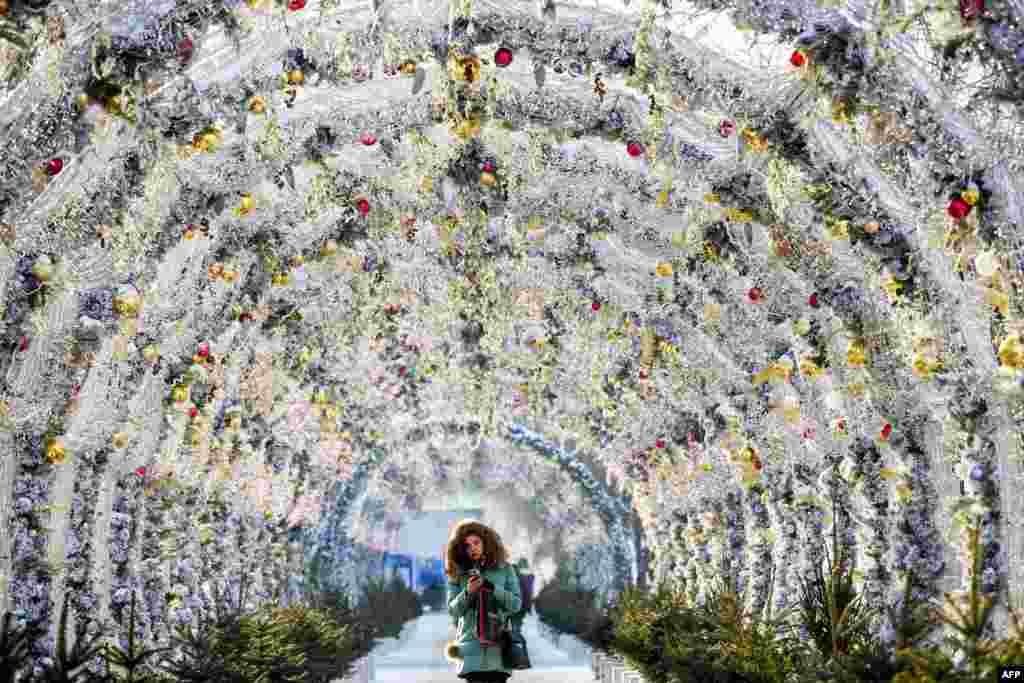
column 141, row 471
column 659, row 443
column 364, row 206
column 368, row 139
column 489, row 167
column 54, row 166
column 193, row 412
column 503, row 57
column 634, row 149
column 958, row 208
column 726, row 128
column 797, row 59
column 23, row 344
column 204, row 350
column 812, row 301
column 596, row 306
column 886, row 430
column 755, row 294
column 296, row 5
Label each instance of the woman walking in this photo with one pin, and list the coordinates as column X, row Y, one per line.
column 483, row 590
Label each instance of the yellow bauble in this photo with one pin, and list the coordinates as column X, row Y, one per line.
column 180, row 393
column 127, row 302
column 43, row 268
column 56, row 454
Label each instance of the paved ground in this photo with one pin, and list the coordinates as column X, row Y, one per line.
column 418, row 656
column 539, row 676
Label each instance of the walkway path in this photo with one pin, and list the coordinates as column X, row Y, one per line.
column 418, row 656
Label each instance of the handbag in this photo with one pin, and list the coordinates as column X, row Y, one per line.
column 514, row 654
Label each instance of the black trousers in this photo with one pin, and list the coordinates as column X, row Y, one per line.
column 485, row 676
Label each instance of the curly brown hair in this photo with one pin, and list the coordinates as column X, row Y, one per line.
column 456, row 559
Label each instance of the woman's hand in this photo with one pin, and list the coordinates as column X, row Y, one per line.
column 474, row 584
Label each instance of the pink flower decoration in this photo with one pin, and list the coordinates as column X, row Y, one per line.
column 376, row 374
column 297, row 414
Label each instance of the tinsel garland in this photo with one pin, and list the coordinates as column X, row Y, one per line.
column 698, row 569
column 979, row 509
column 79, row 547
column 914, row 543
column 810, row 525
column 127, row 532
column 784, row 529
column 863, row 468
column 734, row 541
column 758, row 563
column 29, row 582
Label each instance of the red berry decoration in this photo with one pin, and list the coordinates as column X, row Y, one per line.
column 141, row 471
column 634, row 149
column 958, row 208
column 503, row 57
column 755, row 294
column 185, row 49
column 193, row 411
column 368, row 139
column 812, row 301
column 596, row 306
column 797, row 59
column 886, row 430
column 364, row 206
column 660, row 443
column 726, row 128
column 204, row 350
column 54, row 166
column 296, row 5
column 969, row 9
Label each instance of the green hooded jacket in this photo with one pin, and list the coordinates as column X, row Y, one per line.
column 466, row 649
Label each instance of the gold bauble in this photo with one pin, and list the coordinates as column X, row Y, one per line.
column 330, row 249
column 127, row 301
column 55, row 451
column 296, row 76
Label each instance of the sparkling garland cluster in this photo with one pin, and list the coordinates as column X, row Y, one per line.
column 915, row 545
column 863, row 468
column 758, row 561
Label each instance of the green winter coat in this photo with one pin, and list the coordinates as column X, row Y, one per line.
column 466, row 649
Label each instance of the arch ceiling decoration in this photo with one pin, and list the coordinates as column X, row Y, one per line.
column 735, row 285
